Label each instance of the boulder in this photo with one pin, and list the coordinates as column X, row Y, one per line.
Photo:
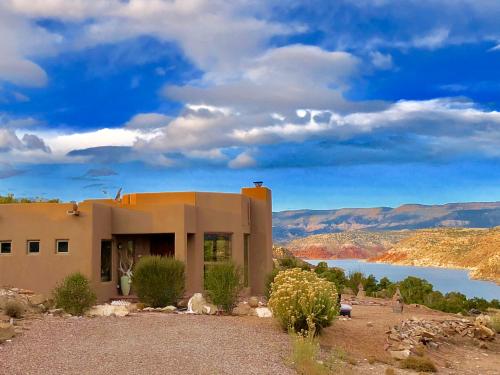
column 37, row 299
column 484, row 333
column 400, row 354
column 196, row 303
column 209, row 309
column 483, row 320
column 253, row 302
column 242, row 308
column 108, row 310
column 169, row 309
column 7, row 331
column 263, row 312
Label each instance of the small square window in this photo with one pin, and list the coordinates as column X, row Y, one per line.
column 33, row 247
column 5, row 247
column 62, row 246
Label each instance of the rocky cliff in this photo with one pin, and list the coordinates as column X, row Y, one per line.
column 345, row 245
column 477, row 250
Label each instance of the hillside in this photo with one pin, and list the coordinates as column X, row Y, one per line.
column 477, row 250
column 288, row 225
column 344, row 245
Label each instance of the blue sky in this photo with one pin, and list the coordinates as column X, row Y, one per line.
column 345, row 104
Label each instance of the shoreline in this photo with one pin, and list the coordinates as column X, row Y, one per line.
column 470, row 271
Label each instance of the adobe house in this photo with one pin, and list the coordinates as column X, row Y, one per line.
column 41, row 243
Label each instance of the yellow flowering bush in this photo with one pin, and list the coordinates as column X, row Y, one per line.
column 302, row 301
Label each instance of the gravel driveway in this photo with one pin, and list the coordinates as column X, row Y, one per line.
column 151, row 343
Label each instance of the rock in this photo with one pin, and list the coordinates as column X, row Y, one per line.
column 253, row 302
column 484, row 333
column 483, row 320
column 196, row 303
column 242, row 309
column 209, row 309
column 56, row 312
column 169, row 309
column 263, row 312
column 7, row 331
column 369, row 324
column 108, row 310
column 400, row 354
column 37, row 299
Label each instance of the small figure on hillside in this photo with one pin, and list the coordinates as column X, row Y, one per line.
column 361, row 291
column 397, row 298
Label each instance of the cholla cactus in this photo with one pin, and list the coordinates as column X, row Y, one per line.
column 302, row 301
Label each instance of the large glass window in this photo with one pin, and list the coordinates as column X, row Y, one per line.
column 106, row 260
column 5, row 247
column 217, row 248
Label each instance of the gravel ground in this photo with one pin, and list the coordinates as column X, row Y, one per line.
column 148, row 344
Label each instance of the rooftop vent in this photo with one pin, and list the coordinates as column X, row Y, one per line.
column 258, row 183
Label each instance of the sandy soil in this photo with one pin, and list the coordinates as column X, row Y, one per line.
column 362, row 342
column 148, row 343
column 155, row 343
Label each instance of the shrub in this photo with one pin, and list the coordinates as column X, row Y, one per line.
column 304, row 358
column 14, row 309
column 495, row 323
column 334, row 275
column 74, row 295
column 422, row 364
column 302, row 301
column 269, row 280
column 292, row 262
column 159, row 281
column 222, row 283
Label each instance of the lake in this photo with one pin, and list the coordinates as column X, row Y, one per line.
column 443, row 279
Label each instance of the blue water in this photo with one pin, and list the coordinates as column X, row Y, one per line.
column 444, row 279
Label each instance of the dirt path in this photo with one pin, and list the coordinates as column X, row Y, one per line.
column 363, row 341
column 148, row 344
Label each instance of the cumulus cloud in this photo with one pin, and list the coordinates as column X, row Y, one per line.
column 243, row 160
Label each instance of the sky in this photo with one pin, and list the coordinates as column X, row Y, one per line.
column 332, row 104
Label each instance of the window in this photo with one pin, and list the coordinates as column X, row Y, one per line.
column 62, row 246
column 216, row 248
column 33, row 247
column 5, row 247
column 106, row 260
column 246, row 244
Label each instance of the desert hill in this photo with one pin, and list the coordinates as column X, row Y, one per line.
column 344, row 245
column 477, row 250
column 288, row 225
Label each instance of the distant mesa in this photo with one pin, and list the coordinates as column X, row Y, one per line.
column 289, row 225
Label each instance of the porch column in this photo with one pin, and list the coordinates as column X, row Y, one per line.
column 181, row 246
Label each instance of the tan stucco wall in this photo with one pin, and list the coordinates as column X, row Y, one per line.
column 188, row 215
column 45, row 222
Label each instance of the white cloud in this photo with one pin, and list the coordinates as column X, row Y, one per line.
column 148, row 121
column 243, row 160
column 381, row 61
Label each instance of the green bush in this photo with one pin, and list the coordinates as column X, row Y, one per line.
column 74, row 295
column 14, row 309
column 302, row 301
column 292, row 262
column 223, row 283
column 333, row 274
column 269, row 280
column 159, row 281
